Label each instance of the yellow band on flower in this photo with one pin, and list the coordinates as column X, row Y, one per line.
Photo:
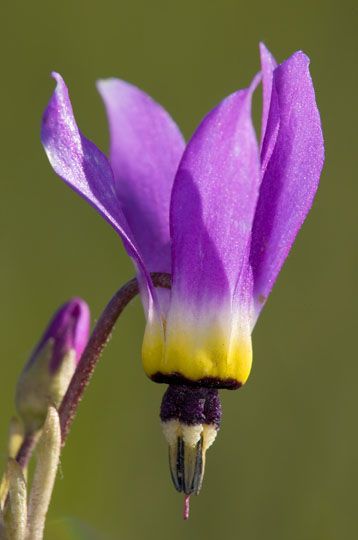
column 197, row 354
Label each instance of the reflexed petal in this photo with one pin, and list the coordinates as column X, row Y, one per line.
column 270, row 113
column 213, row 202
column 145, row 150
column 86, row 170
column 292, row 175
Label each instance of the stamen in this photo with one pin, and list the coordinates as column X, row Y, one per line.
column 190, row 419
column 186, row 510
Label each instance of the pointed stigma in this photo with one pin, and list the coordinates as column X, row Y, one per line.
column 186, row 509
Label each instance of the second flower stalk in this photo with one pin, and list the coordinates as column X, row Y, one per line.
column 40, row 390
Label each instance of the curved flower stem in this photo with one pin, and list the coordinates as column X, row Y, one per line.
column 95, row 346
column 97, row 342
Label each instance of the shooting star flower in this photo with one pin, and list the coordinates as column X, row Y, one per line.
column 220, row 214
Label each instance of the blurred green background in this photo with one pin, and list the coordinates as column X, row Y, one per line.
column 285, row 464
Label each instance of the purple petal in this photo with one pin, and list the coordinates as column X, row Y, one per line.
column 145, row 150
column 292, row 175
column 270, row 113
column 86, row 170
column 213, row 201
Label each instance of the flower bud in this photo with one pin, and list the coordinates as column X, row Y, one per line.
column 47, row 374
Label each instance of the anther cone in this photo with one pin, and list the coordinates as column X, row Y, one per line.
column 190, row 420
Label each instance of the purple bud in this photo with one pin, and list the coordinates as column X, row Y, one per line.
column 69, row 330
column 48, row 372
